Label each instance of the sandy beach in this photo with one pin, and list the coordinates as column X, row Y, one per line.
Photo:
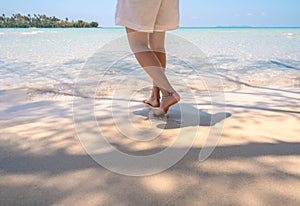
column 48, row 131
column 256, row 162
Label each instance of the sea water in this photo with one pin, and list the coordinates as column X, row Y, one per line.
column 51, row 60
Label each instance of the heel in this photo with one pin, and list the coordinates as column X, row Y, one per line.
column 166, row 104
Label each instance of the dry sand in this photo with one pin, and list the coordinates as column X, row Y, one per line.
column 257, row 161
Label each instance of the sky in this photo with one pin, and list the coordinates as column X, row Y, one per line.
column 193, row 13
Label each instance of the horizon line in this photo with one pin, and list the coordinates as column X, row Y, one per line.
column 183, row 27
column 199, row 27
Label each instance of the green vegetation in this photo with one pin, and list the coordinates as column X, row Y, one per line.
column 41, row 21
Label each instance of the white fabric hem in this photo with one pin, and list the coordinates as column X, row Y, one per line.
column 142, row 28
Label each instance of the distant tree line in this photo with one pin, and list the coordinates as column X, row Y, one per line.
column 41, row 21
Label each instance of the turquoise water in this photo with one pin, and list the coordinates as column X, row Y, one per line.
column 51, row 59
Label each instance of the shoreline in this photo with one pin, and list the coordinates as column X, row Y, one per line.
column 40, row 90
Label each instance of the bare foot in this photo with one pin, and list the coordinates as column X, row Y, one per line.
column 152, row 101
column 167, row 101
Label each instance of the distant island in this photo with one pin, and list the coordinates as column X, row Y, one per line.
column 42, row 21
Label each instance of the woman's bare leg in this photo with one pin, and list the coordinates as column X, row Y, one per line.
column 157, row 45
column 148, row 60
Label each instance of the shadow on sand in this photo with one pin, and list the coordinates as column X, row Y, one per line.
column 174, row 117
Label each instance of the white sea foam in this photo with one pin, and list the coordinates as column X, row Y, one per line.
column 289, row 34
column 32, row 32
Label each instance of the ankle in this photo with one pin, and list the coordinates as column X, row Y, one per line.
column 166, row 93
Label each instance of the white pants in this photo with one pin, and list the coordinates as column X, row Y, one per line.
column 148, row 15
